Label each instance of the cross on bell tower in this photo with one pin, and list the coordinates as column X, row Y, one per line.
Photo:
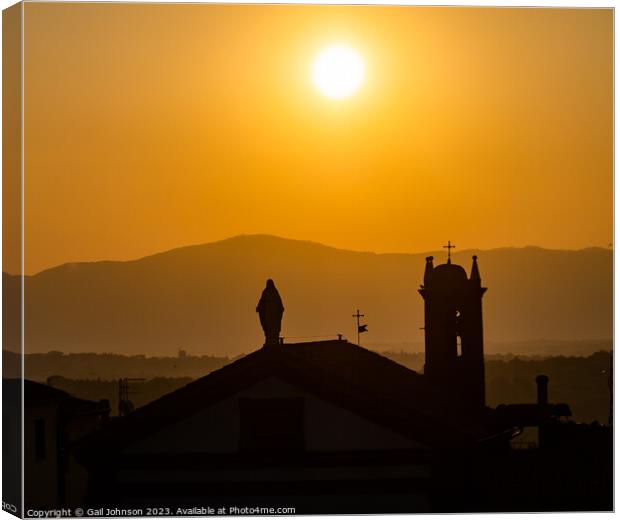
column 448, row 247
column 453, row 336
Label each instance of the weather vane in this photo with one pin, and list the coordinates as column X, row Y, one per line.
column 360, row 328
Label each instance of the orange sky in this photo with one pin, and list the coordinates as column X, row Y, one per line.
column 154, row 126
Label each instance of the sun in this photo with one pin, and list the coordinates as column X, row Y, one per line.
column 338, row 71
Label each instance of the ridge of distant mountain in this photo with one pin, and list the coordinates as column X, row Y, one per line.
column 202, row 297
column 439, row 254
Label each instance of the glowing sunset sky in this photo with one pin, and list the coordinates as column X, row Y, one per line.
column 150, row 127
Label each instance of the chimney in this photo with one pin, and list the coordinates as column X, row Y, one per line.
column 542, row 382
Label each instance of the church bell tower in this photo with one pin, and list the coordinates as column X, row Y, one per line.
column 454, row 354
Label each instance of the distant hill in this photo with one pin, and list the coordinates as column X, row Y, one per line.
column 202, row 298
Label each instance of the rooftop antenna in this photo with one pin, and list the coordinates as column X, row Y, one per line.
column 125, row 406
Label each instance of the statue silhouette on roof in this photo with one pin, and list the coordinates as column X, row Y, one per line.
column 270, row 311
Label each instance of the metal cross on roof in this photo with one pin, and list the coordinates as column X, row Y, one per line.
column 449, row 247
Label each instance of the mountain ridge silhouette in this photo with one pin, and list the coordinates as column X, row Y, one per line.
column 439, row 252
column 202, row 297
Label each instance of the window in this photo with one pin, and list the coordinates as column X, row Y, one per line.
column 39, row 439
column 272, row 425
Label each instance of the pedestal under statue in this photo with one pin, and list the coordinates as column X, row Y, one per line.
column 270, row 311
